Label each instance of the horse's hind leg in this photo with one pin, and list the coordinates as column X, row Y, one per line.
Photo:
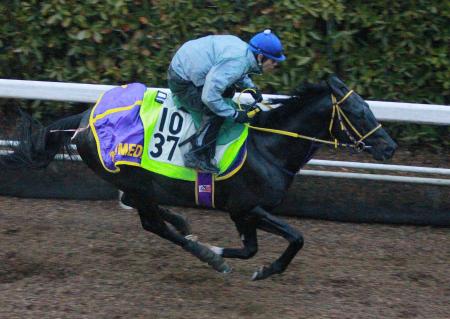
column 176, row 220
column 152, row 221
column 247, row 232
column 274, row 225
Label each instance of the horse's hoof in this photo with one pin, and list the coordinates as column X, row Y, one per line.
column 222, row 267
column 191, row 237
column 226, row 269
column 261, row 273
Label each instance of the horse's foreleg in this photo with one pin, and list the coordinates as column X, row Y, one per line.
column 152, row 221
column 247, row 232
column 274, row 225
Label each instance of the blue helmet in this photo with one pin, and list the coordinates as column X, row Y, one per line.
column 267, row 44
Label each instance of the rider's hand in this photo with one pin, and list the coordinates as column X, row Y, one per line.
column 241, row 116
column 256, row 94
column 229, row 92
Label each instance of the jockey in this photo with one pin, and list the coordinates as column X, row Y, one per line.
column 203, row 70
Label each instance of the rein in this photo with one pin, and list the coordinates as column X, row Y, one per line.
column 358, row 145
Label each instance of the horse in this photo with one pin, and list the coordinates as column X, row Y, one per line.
column 279, row 143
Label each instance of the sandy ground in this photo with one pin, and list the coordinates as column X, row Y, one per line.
column 92, row 259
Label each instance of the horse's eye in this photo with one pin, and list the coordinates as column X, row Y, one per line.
column 362, row 112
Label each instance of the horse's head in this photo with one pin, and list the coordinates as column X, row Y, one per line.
column 359, row 125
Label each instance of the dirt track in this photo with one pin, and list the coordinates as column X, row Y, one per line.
column 81, row 259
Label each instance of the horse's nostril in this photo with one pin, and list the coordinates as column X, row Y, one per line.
column 390, row 150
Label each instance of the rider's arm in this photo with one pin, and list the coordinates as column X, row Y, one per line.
column 246, row 83
column 218, row 79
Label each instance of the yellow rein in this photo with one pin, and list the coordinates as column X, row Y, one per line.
column 336, row 110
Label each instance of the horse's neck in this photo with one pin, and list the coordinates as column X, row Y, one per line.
column 289, row 152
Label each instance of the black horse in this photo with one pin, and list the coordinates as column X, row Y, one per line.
column 273, row 159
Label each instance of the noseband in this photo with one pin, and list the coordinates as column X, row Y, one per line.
column 357, row 145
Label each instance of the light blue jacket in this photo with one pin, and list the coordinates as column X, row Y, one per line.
column 216, row 62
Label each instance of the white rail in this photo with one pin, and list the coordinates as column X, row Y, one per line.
column 76, row 92
column 377, row 177
column 382, row 167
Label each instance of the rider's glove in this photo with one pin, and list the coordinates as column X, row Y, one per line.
column 256, row 94
column 241, row 116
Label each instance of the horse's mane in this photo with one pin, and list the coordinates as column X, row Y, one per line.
column 296, row 100
column 302, row 93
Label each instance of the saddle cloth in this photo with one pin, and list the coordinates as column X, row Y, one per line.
column 139, row 126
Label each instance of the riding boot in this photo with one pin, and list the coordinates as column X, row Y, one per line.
column 204, row 147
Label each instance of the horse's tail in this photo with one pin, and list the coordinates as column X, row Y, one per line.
column 37, row 145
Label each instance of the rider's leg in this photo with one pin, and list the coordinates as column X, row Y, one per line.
column 204, row 145
column 212, row 133
column 185, row 94
column 188, row 96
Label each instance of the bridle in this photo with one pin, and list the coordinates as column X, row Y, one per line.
column 357, row 144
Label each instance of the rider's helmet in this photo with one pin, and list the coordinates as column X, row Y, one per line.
column 267, row 44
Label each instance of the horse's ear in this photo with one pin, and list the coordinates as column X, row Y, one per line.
column 333, row 81
column 336, row 84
